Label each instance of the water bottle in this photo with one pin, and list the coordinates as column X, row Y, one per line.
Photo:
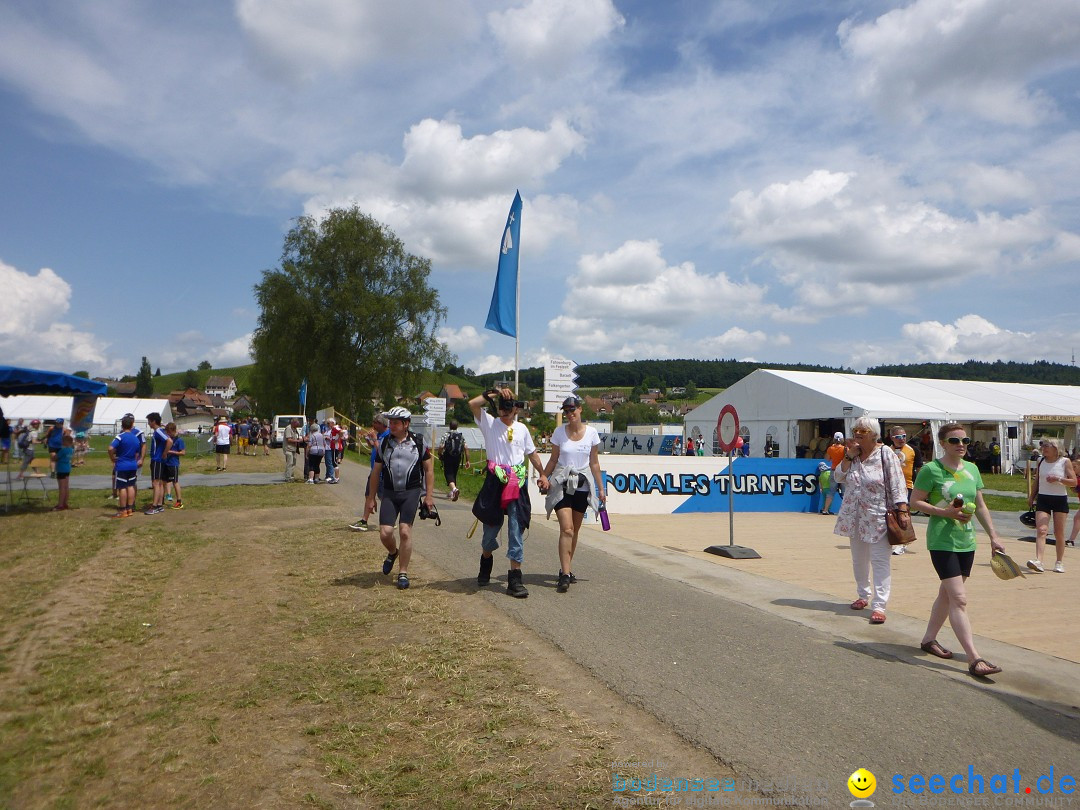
column 605, row 521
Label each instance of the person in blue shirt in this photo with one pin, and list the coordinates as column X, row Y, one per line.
column 159, row 448
column 61, row 459
column 172, row 464
column 373, row 438
column 54, row 440
column 125, row 452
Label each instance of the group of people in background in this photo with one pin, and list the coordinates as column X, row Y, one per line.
column 318, row 445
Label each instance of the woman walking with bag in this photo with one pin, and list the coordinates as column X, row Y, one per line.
column 945, row 489
column 862, row 471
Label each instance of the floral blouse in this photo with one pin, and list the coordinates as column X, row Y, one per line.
column 862, row 513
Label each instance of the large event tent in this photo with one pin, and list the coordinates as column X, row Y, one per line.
column 107, row 414
column 795, row 410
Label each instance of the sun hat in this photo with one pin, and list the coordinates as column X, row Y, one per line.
column 1004, row 566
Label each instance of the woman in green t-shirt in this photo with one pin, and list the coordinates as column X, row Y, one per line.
column 948, row 489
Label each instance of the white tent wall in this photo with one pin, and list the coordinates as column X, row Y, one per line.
column 776, row 402
column 107, row 414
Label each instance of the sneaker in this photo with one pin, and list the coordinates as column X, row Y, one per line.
column 154, row 510
column 573, row 579
column 388, row 563
column 309, row 481
column 118, row 515
column 454, row 493
column 359, row 526
column 484, row 577
column 1059, row 568
column 402, row 580
column 1036, row 566
column 564, row 583
column 514, row 587
column 178, row 505
column 899, row 550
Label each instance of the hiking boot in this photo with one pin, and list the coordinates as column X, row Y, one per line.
column 564, row 583
column 484, row 577
column 388, row 563
column 513, row 584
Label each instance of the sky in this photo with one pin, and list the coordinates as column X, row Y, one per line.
column 845, row 183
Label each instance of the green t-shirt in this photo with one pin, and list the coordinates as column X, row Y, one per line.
column 942, row 484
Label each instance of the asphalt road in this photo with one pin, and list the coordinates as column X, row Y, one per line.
column 774, row 698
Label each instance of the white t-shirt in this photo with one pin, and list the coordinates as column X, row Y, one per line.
column 221, row 434
column 505, row 444
column 575, row 453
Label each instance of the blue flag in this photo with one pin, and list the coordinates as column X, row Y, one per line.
column 502, row 315
column 303, row 396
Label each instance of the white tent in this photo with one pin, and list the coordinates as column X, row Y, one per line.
column 796, row 409
column 107, row 414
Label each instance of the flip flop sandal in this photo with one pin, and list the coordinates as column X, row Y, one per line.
column 877, row 617
column 934, row 648
column 859, row 604
column 991, row 668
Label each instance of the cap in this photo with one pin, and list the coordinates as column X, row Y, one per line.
column 571, row 402
column 60, row 421
column 823, row 466
column 838, row 436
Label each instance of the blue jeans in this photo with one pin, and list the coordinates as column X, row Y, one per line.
column 330, row 464
column 515, row 549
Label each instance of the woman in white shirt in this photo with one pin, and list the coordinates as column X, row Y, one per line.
column 1050, row 498
column 574, row 456
column 222, row 443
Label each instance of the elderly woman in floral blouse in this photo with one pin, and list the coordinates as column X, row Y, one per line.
column 864, row 471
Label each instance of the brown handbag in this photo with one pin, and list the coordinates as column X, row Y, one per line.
column 897, row 535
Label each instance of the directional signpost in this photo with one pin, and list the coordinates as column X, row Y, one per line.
column 727, row 436
column 559, row 383
column 434, row 415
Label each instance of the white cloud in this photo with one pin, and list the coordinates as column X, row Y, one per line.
column 336, row 35
column 873, row 239
column 979, row 56
column 550, row 34
column 450, row 193
column 460, row 341
column 32, row 332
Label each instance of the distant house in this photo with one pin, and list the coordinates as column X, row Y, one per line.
column 243, row 404
column 677, row 390
column 613, row 398
column 123, row 389
column 598, row 405
column 423, row 395
column 452, row 393
column 224, row 387
column 650, row 398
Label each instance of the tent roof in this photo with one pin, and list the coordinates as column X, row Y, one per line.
column 16, row 380
column 816, row 395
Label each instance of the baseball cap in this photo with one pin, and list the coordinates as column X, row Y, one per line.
column 60, row 421
column 838, row 436
column 571, row 402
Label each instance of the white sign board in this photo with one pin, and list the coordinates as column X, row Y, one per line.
column 435, row 410
column 559, row 382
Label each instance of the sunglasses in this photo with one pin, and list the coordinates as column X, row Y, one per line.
column 957, row 440
column 861, row 432
column 899, row 435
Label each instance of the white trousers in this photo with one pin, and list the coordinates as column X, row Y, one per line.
column 872, row 559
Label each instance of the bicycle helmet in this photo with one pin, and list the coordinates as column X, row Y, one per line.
column 397, row 413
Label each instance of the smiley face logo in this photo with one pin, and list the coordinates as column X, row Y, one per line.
column 862, row 784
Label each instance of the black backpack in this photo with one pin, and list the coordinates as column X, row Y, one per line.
column 454, row 444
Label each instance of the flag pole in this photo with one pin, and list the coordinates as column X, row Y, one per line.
column 517, row 322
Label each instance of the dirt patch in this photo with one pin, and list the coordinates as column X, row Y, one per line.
column 254, row 657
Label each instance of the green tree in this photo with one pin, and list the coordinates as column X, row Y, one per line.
column 205, row 365
column 84, row 374
column 144, row 381
column 543, row 422
column 462, row 413
column 191, row 379
column 349, row 310
column 157, row 372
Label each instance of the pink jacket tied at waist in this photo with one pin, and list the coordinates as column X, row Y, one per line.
column 510, row 476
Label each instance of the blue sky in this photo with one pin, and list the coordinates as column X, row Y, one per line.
column 845, row 183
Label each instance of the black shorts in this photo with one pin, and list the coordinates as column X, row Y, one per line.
column 949, row 564
column 398, row 506
column 126, row 479
column 171, row 474
column 157, row 470
column 1052, row 503
column 222, row 449
column 579, row 501
column 60, row 475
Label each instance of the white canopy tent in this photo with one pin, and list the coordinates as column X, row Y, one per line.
column 795, row 410
column 107, row 414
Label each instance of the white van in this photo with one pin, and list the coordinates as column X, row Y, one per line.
column 277, row 437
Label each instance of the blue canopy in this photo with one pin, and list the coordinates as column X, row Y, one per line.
column 15, row 380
